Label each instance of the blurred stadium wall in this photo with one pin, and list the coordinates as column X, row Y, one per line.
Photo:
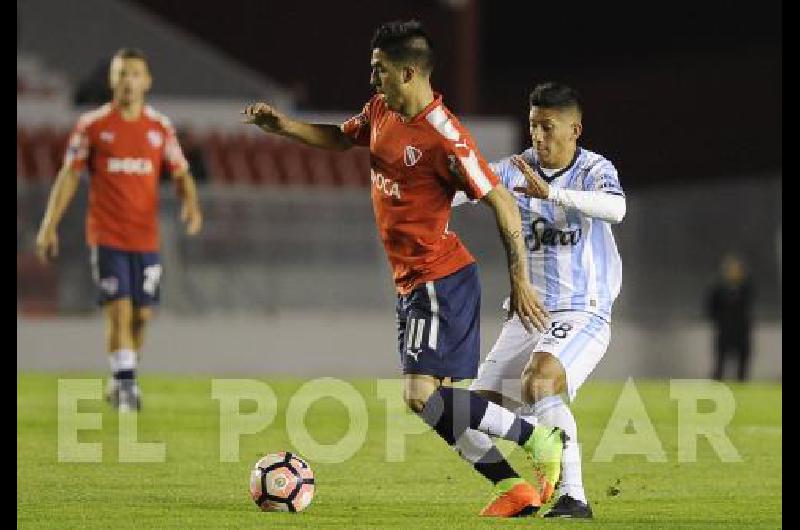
column 288, row 276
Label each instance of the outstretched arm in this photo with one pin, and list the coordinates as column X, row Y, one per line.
column 61, row 195
column 326, row 136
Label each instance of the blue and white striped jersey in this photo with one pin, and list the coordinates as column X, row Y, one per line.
column 573, row 260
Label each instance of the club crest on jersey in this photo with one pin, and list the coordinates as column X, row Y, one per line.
column 155, row 138
column 411, row 155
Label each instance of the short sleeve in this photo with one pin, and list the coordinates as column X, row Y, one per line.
column 357, row 128
column 78, row 146
column 173, row 154
column 478, row 177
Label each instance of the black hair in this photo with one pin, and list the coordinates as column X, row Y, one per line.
column 555, row 95
column 405, row 42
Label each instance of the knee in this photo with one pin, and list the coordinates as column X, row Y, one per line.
column 543, row 376
column 415, row 404
column 417, row 391
column 119, row 316
column 416, row 399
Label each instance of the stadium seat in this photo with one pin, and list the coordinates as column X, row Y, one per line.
column 266, row 170
column 352, row 167
column 231, row 158
column 214, row 145
column 37, row 286
column 320, row 166
column 292, row 161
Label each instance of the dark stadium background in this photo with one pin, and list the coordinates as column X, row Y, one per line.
column 674, row 91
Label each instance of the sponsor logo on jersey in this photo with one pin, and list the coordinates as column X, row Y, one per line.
column 411, row 155
column 542, row 234
column 155, row 138
column 107, row 136
column 138, row 166
column 389, row 187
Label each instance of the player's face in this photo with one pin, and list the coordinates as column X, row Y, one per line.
column 387, row 79
column 130, row 79
column 554, row 133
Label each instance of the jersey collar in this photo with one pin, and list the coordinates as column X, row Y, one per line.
column 538, row 168
column 421, row 115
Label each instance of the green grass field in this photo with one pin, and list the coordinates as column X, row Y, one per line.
column 432, row 488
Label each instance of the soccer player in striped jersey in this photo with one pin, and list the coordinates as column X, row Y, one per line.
column 568, row 198
column 413, row 140
column 122, row 146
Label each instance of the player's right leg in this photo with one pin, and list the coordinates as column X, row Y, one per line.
column 145, row 292
column 499, row 380
column 122, row 356
column 111, row 270
column 561, row 362
column 512, row 495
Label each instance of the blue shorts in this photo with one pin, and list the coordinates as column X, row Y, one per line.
column 438, row 326
column 121, row 274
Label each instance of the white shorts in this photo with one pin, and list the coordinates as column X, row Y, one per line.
column 577, row 338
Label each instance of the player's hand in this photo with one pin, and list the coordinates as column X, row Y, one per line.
column 190, row 214
column 537, row 187
column 264, row 116
column 46, row 244
column 526, row 304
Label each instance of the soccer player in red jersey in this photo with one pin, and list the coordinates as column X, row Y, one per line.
column 122, row 146
column 420, row 155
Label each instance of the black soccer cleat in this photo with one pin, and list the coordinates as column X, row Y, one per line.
column 129, row 396
column 570, row 508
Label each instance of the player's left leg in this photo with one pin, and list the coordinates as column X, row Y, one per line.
column 141, row 316
column 145, row 278
column 111, row 273
column 561, row 362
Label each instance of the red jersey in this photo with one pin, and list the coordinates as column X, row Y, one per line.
column 124, row 161
column 412, row 187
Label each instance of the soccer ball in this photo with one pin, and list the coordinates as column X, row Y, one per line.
column 282, row 482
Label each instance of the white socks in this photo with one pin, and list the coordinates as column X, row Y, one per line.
column 554, row 412
column 122, row 360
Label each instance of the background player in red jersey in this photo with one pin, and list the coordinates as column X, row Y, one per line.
column 122, row 146
column 420, row 155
